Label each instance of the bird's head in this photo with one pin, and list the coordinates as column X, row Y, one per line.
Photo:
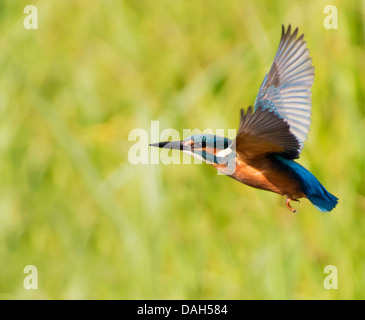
column 207, row 147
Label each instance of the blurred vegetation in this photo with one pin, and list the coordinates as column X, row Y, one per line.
column 97, row 226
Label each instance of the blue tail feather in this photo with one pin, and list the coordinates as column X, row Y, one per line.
column 311, row 187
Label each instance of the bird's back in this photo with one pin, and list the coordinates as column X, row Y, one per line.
column 309, row 184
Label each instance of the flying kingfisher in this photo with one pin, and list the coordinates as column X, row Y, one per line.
column 272, row 133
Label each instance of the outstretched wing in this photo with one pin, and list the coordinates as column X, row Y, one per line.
column 263, row 132
column 286, row 89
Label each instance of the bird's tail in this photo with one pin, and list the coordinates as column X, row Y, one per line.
column 311, row 187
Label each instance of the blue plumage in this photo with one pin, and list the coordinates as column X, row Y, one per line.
column 272, row 133
column 211, row 140
column 312, row 188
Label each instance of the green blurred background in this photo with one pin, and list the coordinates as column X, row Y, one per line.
column 97, row 226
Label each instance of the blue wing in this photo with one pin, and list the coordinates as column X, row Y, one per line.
column 286, row 89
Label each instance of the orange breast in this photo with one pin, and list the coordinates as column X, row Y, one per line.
column 263, row 174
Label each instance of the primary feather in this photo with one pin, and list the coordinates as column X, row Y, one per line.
column 286, row 89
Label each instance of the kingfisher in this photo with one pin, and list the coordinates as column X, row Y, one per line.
column 272, row 133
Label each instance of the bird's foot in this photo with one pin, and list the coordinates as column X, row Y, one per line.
column 288, row 204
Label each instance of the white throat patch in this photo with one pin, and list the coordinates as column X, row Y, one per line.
column 224, row 153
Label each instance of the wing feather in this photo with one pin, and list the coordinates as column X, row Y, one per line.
column 263, row 132
column 286, row 89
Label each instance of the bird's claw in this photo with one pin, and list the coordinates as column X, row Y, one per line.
column 288, row 204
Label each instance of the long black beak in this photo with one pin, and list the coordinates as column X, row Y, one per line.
column 168, row 145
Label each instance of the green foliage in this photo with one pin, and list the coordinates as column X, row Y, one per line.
column 98, row 227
